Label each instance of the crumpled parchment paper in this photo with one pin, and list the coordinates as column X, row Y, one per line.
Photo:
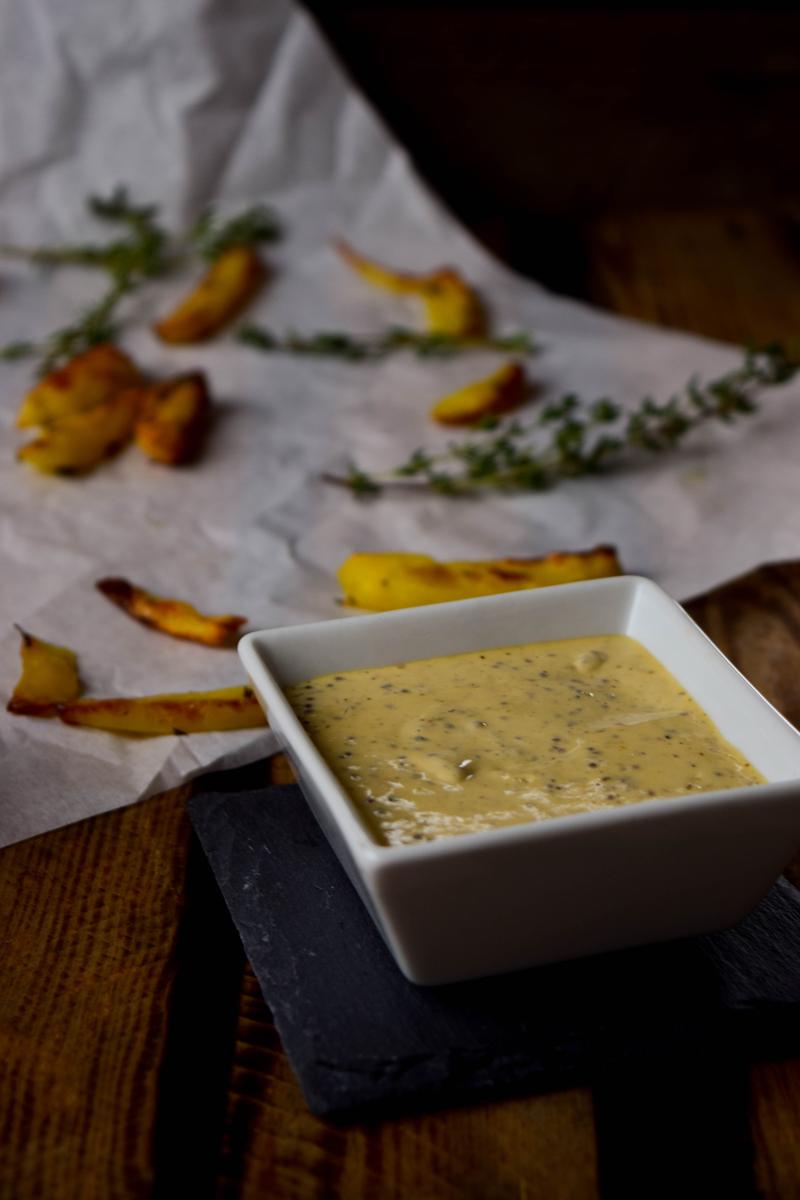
column 230, row 102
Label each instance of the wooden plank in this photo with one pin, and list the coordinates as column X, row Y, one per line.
column 89, row 918
column 731, row 274
column 774, row 1119
column 755, row 620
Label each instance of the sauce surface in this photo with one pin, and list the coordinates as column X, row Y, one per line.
column 469, row 742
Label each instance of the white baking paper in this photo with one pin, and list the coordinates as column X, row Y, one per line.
column 235, row 101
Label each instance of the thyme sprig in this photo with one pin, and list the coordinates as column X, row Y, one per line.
column 211, row 237
column 346, row 346
column 93, row 326
column 572, row 437
column 14, row 351
column 144, row 251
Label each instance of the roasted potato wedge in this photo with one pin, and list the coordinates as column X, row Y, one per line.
column 49, row 678
column 450, row 305
column 229, row 284
column 85, row 381
column 498, row 393
column 172, row 418
column 385, row 581
column 77, row 443
column 177, row 712
column 174, row 617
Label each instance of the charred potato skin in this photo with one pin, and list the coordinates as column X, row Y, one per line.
column 173, row 418
column 175, row 618
column 227, row 287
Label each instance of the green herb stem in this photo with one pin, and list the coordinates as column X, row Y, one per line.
column 211, row 237
column 14, row 351
column 142, row 253
column 572, row 438
column 346, row 346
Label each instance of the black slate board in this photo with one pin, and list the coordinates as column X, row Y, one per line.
column 361, row 1038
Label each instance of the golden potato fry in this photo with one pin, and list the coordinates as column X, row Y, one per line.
column 229, row 284
column 174, row 617
column 450, row 305
column 85, row 381
column 499, row 392
column 77, row 443
column 400, row 283
column 385, row 581
column 172, row 418
column 176, row 712
column 49, row 678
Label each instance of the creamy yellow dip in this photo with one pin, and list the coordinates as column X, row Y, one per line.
column 452, row 745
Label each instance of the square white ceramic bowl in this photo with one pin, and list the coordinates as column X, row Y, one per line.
column 481, row 903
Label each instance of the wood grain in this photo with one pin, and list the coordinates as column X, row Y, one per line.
column 89, row 918
column 774, row 1115
column 755, row 619
column 728, row 273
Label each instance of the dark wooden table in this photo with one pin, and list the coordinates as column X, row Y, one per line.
column 136, row 1054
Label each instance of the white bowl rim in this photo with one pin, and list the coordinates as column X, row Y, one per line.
column 369, row 852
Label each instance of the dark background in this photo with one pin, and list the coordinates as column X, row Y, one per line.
column 532, row 121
